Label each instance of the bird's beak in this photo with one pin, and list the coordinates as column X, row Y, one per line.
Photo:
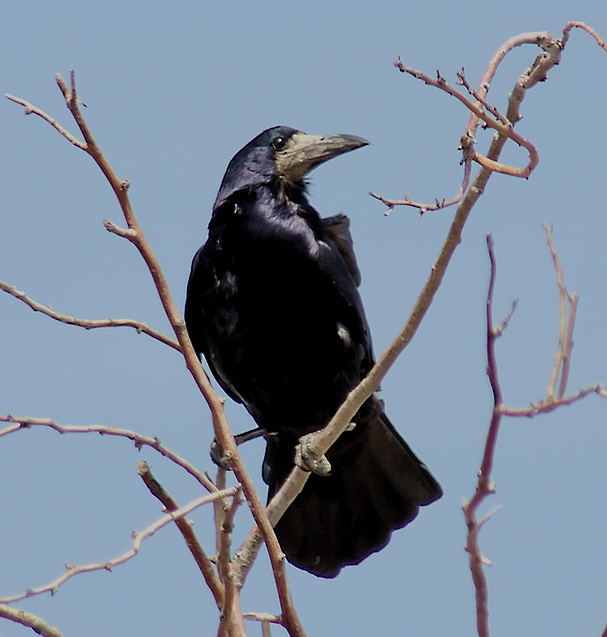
column 304, row 152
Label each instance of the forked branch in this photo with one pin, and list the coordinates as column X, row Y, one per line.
column 223, row 434
column 138, row 538
column 345, row 414
column 482, row 111
column 484, row 484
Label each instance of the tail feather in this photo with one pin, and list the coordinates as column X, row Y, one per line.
column 377, row 485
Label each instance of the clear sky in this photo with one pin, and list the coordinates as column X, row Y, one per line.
column 173, row 91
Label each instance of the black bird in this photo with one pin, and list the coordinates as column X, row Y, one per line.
column 272, row 303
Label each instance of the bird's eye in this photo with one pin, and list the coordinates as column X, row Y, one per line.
column 278, row 143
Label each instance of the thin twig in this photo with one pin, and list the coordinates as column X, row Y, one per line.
column 138, row 539
column 88, row 323
column 568, row 346
column 467, row 148
column 22, row 423
column 476, row 108
column 463, row 81
column 223, row 433
column 185, row 528
column 345, row 414
column 547, row 405
column 30, row 108
column 262, row 617
column 582, row 25
column 560, row 351
column 484, row 485
column 503, row 124
column 567, row 312
column 297, row 479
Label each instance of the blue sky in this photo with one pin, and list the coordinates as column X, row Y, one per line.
column 173, row 91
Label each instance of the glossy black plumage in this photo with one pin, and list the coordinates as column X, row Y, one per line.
column 273, row 305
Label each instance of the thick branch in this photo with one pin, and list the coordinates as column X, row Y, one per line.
column 29, row 620
column 223, row 433
column 345, row 414
column 231, row 622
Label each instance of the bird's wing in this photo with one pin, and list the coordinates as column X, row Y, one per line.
column 193, row 302
column 338, row 228
column 336, row 259
column 201, row 280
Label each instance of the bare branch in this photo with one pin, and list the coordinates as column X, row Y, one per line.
column 484, row 485
column 462, row 81
column 87, row 323
column 501, row 328
column 542, row 39
column 546, row 405
column 503, row 124
column 467, row 148
column 567, row 323
column 21, row 423
column 231, row 617
column 262, row 617
column 29, row 620
column 30, row 108
column 476, row 108
column 345, row 414
column 582, row 25
column 185, row 527
column 223, row 433
column 467, row 197
column 138, row 539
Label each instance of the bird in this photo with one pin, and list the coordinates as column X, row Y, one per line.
column 273, row 305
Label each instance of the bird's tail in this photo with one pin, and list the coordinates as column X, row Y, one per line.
column 377, row 485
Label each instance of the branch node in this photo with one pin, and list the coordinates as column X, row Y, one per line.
column 125, row 233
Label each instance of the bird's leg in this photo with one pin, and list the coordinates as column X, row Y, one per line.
column 250, row 435
column 308, row 458
column 220, row 459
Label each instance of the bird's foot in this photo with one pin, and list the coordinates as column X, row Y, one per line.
column 307, row 457
column 222, row 459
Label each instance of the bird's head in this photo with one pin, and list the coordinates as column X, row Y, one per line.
column 283, row 155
